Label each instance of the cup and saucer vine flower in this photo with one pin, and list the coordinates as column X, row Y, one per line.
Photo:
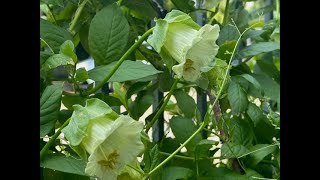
column 111, row 140
column 178, row 39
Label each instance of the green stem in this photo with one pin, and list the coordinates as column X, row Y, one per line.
column 225, row 16
column 155, row 118
column 176, row 151
column 204, row 123
column 278, row 10
column 52, row 139
column 77, row 15
column 124, row 57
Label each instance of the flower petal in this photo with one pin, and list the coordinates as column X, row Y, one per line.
column 120, row 147
column 204, row 47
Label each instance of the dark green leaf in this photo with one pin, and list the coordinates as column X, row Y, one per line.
column 237, row 98
column 136, row 87
column 184, row 6
column 140, row 105
column 185, row 103
column 228, row 33
column 67, row 48
column 83, row 35
column 69, row 101
column 240, row 69
column 57, row 60
column 264, row 131
column 202, row 148
column 203, row 82
column 110, row 100
column 259, row 152
column 270, row 88
column 252, row 33
column 165, row 80
column 64, row 115
column 240, row 17
column 108, row 35
column 266, row 66
column 154, row 158
column 143, row 7
column 50, row 102
column 50, row 174
column 222, row 173
column 253, row 81
column 254, row 113
column 225, row 50
column 241, row 131
column 233, row 150
column 81, row 75
column 53, row 35
column 259, row 48
column 182, row 129
column 60, row 162
column 128, row 71
column 176, row 173
column 44, row 56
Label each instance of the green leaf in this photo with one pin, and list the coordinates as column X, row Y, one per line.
column 50, row 174
column 253, row 81
column 259, row 152
column 254, row 113
column 128, row 71
column 174, row 173
column 203, row 82
column 143, row 7
column 67, row 48
column 81, row 75
column 233, row 150
column 185, row 103
column 57, row 60
column 154, row 161
column 209, row 4
column 44, row 56
column 141, row 104
column 165, row 80
column 216, row 75
column 202, row 148
column 222, row 173
column 184, row 6
column 108, row 35
column 228, row 33
column 69, row 101
column 60, row 162
column 270, row 88
column 80, row 118
column 266, row 66
column 226, row 49
column 53, row 35
column 252, row 33
column 241, row 131
column 182, row 129
column 50, row 102
column 259, row 48
column 237, row 98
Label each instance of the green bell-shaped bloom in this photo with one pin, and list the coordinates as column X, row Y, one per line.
column 112, row 145
column 177, row 38
column 112, row 141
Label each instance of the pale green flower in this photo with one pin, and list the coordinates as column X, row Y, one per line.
column 178, row 38
column 112, row 145
column 112, row 141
